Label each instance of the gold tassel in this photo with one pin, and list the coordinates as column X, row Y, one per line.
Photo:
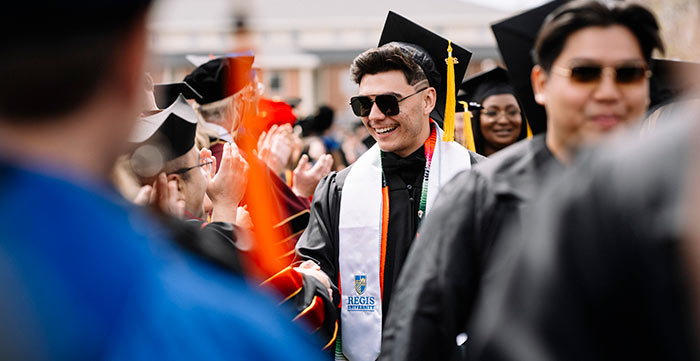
column 450, row 104
column 529, row 130
column 468, row 139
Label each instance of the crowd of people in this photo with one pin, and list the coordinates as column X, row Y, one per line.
column 541, row 210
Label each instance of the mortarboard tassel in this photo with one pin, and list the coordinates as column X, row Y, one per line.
column 468, row 139
column 451, row 97
column 529, row 130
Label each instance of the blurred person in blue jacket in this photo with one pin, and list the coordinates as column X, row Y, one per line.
column 84, row 274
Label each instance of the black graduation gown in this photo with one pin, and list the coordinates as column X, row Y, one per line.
column 320, row 240
column 442, row 275
column 219, row 243
column 599, row 275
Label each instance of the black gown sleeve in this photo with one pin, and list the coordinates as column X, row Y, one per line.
column 319, row 242
column 476, row 158
column 215, row 242
column 438, row 283
column 597, row 275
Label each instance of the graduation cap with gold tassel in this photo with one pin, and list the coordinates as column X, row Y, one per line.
column 473, row 92
column 443, row 62
column 468, row 133
column 515, row 37
column 450, row 96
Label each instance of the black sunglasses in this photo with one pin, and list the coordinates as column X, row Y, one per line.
column 387, row 103
column 185, row 170
column 585, row 74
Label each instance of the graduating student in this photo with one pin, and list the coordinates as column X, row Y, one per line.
column 592, row 77
column 604, row 270
column 496, row 118
column 364, row 218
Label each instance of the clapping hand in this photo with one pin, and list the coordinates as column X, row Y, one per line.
column 228, row 185
column 275, row 147
column 306, row 177
column 163, row 196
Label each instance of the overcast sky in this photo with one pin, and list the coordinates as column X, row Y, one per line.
column 507, row 5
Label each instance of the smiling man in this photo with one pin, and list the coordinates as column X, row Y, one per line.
column 364, row 218
column 592, row 77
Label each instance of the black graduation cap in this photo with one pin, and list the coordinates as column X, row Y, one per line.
column 171, row 131
column 462, row 97
column 483, row 85
column 474, row 91
column 221, row 77
column 399, row 29
column 516, row 39
column 670, row 80
column 167, row 93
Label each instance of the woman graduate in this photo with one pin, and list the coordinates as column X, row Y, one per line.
column 497, row 120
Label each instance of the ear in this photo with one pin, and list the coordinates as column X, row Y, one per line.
column 429, row 100
column 178, row 180
column 538, row 77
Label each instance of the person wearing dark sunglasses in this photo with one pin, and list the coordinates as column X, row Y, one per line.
column 592, row 74
column 364, row 218
column 387, row 103
column 592, row 77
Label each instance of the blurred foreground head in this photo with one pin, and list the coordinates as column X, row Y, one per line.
column 592, row 71
column 72, row 78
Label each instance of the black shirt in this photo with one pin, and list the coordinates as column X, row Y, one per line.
column 404, row 177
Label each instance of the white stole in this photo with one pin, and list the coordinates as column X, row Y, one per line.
column 360, row 234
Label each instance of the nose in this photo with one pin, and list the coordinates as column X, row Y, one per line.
column 375, row 113
column 502, row 118
column 607, row 90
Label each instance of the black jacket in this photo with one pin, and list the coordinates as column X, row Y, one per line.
column 442, row 275
column 600, row 273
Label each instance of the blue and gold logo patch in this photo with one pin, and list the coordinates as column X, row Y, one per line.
column 360, row 284
column 361, row 303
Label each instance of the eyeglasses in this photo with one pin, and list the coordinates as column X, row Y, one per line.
column 387, row 103
column 185, row 170
column 587, row 74
column 495, row 113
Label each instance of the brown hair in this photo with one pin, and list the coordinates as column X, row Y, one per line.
column 580, row 14
column 387, row 57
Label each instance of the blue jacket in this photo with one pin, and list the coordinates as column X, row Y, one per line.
column 85, row 276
